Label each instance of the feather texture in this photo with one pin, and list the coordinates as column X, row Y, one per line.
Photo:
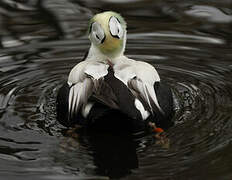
column 79, row 94
column 140, row 78
column 108, row 80
column 87, row 80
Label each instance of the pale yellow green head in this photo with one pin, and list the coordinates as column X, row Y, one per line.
column 107, row 32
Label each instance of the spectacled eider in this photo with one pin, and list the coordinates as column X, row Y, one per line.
column 108, row 89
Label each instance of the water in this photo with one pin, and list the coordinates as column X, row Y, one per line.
column 190, row 44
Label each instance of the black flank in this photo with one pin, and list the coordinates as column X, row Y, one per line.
column 165, row 99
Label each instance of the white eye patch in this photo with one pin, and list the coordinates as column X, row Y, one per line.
column 115, row 28
column 97, row 33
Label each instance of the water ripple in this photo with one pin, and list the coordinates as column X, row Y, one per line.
column 178, row 37
column 190, row 54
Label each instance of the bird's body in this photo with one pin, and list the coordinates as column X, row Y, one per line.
column 108, row 79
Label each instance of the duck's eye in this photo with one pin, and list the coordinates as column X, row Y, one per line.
column 115, row 28
column 97, row 33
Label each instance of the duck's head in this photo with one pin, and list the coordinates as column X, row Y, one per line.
column 107, row 33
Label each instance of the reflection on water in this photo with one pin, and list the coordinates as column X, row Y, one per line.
column 190, row 44
column 106, row 155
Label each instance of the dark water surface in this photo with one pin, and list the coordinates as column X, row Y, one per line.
column 190, row 44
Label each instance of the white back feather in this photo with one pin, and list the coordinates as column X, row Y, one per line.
column 84, row 80
column 79, row 94
column 140, row 78
column 97, row 70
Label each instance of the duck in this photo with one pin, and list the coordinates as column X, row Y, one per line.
column 108, row 89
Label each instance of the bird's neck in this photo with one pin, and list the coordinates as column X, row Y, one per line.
column 96, row 55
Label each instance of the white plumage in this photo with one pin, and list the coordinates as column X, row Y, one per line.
column 86, row 80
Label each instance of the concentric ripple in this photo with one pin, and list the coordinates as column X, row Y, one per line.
column 191, row 55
